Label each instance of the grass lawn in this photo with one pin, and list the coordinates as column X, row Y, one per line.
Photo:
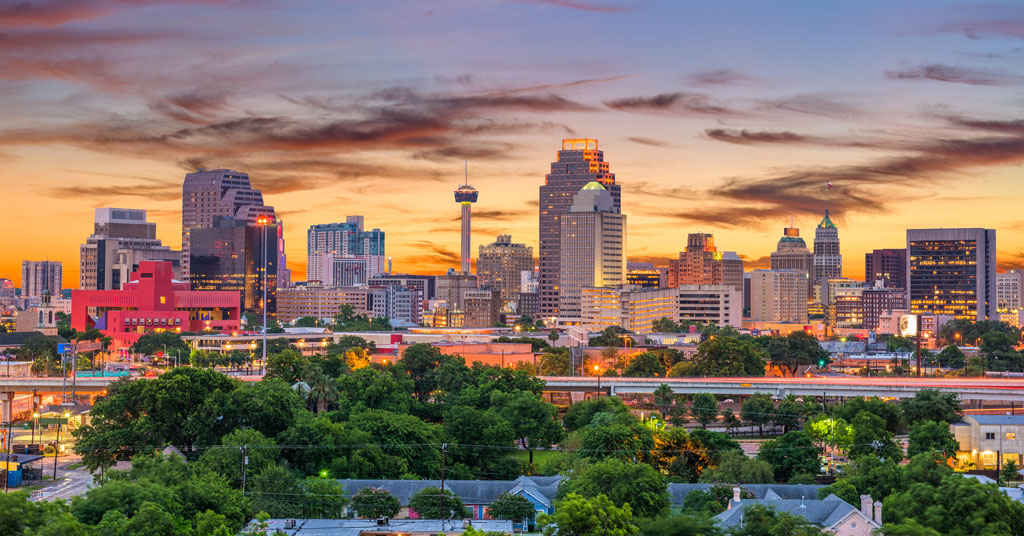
column 539, row 456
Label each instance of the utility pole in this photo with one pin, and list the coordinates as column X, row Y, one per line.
column 444, row 448
column 245, row 461
column 919, row 346
column 10, row 446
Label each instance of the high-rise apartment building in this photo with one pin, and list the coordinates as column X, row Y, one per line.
column 37, row 276
column 1010, row 290
column 592, row 246
column 230, row 256
column 425, row 284
column 952, row 272
column 501, row 264
column 778, row 296
column 791, row 253
column 702, row 264
column 579, row 162
column 344, row 240
column 887, row 265
column 210, row 194
column 828, row 261
column 721, row 305
column 121, row 239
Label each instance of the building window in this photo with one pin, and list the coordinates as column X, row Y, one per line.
column 1011, row 435
column 990, row 435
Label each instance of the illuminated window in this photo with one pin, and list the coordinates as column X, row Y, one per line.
column 1011, row 435
column 163, row 299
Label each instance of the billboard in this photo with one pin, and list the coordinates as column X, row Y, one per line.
column 908, row 325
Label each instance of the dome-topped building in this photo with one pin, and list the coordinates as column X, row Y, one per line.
column 791, row 253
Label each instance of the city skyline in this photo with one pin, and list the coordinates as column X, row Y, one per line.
column 706, row 127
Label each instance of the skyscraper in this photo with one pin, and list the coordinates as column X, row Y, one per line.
column 500, row 266
column 466, row 195
column 579, row 162
column 888, row 265
column 209, row 194
column 952, row 272
column 229, row 256
column 1010, row 290
column 700, row 262
column 344, row 240
column 37, row 276
column 828, row 262
column 121, row 239
column 592, row 243
column 791, row 253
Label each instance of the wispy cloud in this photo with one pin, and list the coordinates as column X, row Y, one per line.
column 720, row 77
column 958, row 75
column 583, row 5
column 647, row 141
column 677, row 102
column 746, row 137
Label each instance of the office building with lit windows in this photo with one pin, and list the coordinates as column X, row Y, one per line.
column 579, row 162
column 501, row 264
column 888, row 265
column 230, row 256
column 791, row 253
column 121, row 239
column 592, row 243
column 721, row 305
column 952, row 272
column 828, row 261
column 39, row 276
column 346, row 240
column 778, row 296
column 1010, row 290
column 644, row 274
column 631, row 308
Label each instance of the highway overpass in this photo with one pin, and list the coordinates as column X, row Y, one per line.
column 1010, row 389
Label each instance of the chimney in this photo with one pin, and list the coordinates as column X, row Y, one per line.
column 878, row 512
column 736, row 494
column 865, row 506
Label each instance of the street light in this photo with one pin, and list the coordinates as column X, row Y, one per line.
column 263, row 220
column 597, row 372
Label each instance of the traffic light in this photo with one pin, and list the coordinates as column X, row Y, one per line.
column 159, row 354
column 821, row 363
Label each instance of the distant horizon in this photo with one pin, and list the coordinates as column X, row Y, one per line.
column 712, row 119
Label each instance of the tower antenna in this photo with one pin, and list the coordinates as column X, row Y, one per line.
column 466, row 182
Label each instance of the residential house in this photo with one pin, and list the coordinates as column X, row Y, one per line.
column 833, row 515
column 989, row 441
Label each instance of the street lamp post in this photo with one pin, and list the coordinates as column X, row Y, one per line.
column 263, row 221
column 597, row 372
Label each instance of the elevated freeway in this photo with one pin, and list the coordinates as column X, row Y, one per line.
column 1005, row 389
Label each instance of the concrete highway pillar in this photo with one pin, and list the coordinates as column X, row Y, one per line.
column 6, row 406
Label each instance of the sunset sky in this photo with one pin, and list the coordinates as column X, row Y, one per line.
column 723, row 117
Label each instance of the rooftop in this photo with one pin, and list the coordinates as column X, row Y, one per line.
column 356, row 527
column 997, row 419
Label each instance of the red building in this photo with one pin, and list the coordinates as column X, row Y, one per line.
column 152, row 302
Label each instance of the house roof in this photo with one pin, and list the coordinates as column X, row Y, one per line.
column 997, row 419
column 677, row 492
column 824, row 513
column 19, row 338
column 470, row 491
column 355, row 527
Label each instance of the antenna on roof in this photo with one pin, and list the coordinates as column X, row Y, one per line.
column 790, row 220
column 467, row 173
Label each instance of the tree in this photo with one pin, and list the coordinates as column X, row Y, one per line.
column 610, row 336
column 957, row 506
column 644, row 365
column 907, row 528
column 375, row 503
column 532, row 418
column 580, row 415
column 788, row 413
column 678, row 525
column 931, row 405
column 729, row 419
column 578, row 516
column 402, row 436
column 289, row 365
column 891, row 413
column 636, row 484
column 712, row 501
column 511, row 507
column 715, row 444
column 728, row 356
column 792, row 453
column 306, row 322
column 664, row 398
column 432, row 503
column 871, row 437
column 1008, row 474
column 796, row 349
column 951, row 357
column 930, row 436
column 757, row 410
column 552, row 335
column 736, row 467
column 555, row 361
column 664, row 325
column 153, row 343
column 704, row 408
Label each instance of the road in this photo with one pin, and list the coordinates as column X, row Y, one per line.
column 75, row 482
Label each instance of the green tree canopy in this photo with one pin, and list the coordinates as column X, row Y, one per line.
column 931, row 405
column 736, row 468
column 372, row 503
column 957, row 507
column 432, row 503
column 930, row 436
column 793, row 350
column 636, row 484
column 704, row 408
column 792, row 453
column 513, row 507
column 579, row 516
column 871, row 437
column 580, row 414
column 644, row 365
column 728, row 356
column 758, row 410
column 891, row 413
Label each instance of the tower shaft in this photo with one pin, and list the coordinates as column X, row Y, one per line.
column 467, row 215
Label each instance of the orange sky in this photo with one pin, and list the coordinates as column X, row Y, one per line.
column 723, row 127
